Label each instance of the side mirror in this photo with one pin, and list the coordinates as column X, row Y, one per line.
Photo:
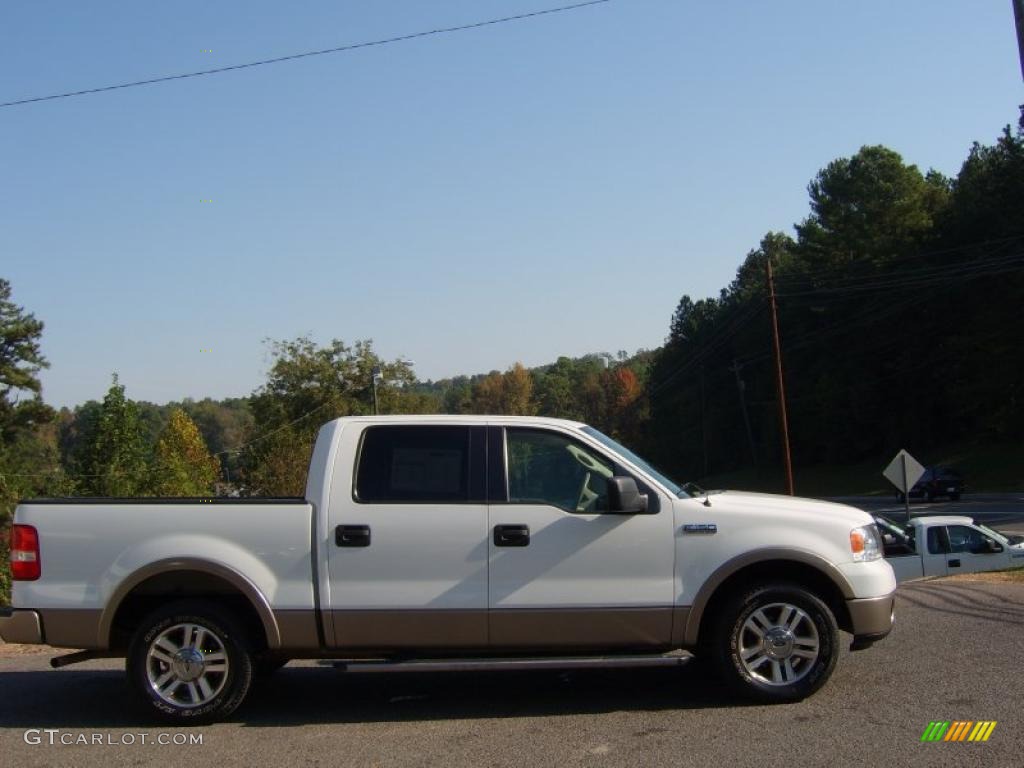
column 625, row 497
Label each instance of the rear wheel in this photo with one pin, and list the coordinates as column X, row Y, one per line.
column 190, row 663
column 775, row 643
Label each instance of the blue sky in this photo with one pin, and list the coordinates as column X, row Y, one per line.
column 519, row 192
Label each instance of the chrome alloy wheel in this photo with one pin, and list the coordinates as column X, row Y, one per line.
column 778, row 644
column 187, row 665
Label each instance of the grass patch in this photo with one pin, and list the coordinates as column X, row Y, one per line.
column 1007, row 576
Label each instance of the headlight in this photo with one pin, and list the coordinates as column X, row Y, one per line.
column 865, row 544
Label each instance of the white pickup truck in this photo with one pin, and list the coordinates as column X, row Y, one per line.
column 945, row 545
column 440, row 542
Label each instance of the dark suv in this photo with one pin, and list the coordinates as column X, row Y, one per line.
column 935, row 482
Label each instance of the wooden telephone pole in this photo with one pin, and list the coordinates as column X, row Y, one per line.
column 783, row 421
column 1018, row 15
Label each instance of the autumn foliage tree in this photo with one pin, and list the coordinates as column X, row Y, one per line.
column 182, row 464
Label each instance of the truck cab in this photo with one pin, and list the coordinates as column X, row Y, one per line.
column 947, row 545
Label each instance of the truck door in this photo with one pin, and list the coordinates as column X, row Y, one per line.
column 407, row 554
column 564, row 571
column 934, row 553
column 970, row 551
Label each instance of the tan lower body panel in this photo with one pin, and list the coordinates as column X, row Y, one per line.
column 410, row 629
column 550, row 629
column 580, row 628
column 21, row 627
column 71, row 627
column 298, row 630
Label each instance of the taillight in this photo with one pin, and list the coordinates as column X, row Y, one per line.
column 25, row 565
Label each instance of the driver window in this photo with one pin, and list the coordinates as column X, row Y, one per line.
column 965, row 539
column 549, row 468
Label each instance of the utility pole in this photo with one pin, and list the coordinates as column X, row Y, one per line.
column 742, row 386
column 783, row 421
column 1018, row 15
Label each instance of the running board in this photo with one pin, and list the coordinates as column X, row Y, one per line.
column 490, row 665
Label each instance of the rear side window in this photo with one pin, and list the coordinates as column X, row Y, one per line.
column 936, row 541
column 413, row 464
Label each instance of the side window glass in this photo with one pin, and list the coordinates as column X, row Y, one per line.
column 965, row 539
column 962, row 538
column 549, row 468
column 413, row 464
column 935, row 546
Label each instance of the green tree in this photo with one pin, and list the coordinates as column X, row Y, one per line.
column 28, row 456
column 870, row 206
column 113, row 461
column 182, row 464
column 21, row 360
column 307, row 385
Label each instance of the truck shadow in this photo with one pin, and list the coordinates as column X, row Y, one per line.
column 306, row 693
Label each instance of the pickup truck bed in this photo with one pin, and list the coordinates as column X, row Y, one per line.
column 98, row 551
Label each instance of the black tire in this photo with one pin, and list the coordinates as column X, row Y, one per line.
column 954, row 497
column 222, row 638
column 732, row 640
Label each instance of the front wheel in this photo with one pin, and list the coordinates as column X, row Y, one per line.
column 776, row 643
column 190, row 663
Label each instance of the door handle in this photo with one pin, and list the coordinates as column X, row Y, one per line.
column 955, row 563
column 352, row 535
column 511, row 535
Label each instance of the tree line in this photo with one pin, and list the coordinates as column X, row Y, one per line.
column 899, row 304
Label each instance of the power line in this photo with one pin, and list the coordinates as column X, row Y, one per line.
column 924, row 277
column 307, row 54
column 718, row 338
column 265, row 435
column 806, row 272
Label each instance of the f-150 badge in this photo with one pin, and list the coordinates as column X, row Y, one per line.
column 700, row 528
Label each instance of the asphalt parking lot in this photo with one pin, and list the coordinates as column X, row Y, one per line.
column 954, row 655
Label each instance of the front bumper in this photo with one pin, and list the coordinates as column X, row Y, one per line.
column 20, row 626
column 871, row 618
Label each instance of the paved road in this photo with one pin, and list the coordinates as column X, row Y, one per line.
column 1002, row 511
column 954, row 654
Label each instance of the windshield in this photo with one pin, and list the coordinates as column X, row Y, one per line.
column 1000, row 537
column 631, row 457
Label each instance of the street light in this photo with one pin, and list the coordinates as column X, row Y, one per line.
column 375, row 374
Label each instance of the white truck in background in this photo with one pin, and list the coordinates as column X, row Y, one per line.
column 443, row 542
column 945, row 545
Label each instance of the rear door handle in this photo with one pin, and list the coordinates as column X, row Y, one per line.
column 954, row 563
column 352, row 535
column 511, row 535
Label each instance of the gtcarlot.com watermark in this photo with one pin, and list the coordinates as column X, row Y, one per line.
column 54, row 737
